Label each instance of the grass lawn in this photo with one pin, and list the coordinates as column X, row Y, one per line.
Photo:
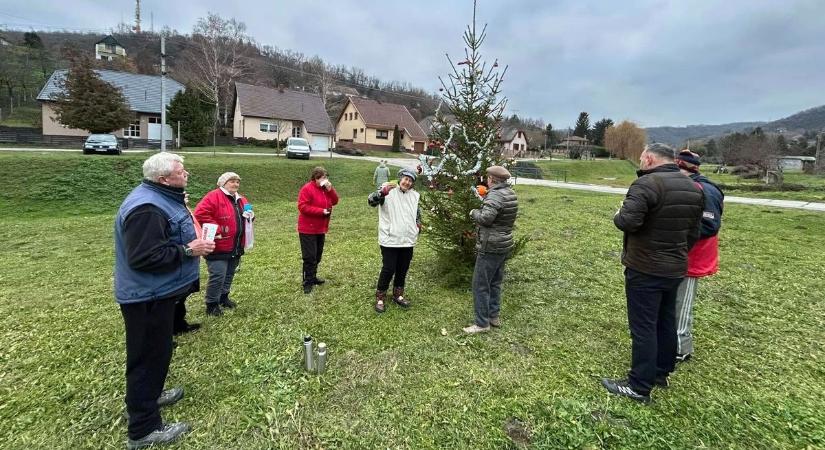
column 814, row 186
column 394, row 381
column 614, row 172
column 22, row 116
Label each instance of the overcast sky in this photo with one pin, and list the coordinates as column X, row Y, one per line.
column 657, row 62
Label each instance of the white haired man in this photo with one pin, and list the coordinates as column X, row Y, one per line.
column 157, row 250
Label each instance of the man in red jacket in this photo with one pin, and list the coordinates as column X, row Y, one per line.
column 315, row 202
column 703, row 258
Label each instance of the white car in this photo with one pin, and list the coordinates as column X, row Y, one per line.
column 101, row 143
column 297, row 148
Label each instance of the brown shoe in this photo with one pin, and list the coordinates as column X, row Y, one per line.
column 380, row 298
column 398, row 297
column 495, row 322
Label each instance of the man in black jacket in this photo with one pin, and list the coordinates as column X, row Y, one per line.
column 660, row 217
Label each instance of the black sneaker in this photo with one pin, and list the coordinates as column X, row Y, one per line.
column 227, row 303
column 683, row 358
column 167, row 397
column 319, row 281
column 622, row 388
column 170, row 396
column 169, row 433
column 214, row 309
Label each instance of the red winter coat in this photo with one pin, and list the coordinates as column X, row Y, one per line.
column 216, row 208
column 312, row 201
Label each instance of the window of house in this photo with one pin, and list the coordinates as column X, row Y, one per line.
column 356, row 116
column 154, row 120
column 362, row 131
column 382, row 134
column 401, row 135
column 267, row 127
column 133, row 130
column 296, row 131
column 354, row 133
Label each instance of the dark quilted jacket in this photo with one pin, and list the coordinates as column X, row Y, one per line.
column 660, row 218
column 495, row 220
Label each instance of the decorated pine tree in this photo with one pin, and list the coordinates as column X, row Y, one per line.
column 464, row 135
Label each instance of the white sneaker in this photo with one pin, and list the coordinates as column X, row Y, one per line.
column 473, row 329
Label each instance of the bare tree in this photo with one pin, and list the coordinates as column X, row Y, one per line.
column 325, row 81
column 218, row 59
column 625, row 140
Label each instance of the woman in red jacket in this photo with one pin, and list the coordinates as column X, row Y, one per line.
column 315, row 202
column 224, row 207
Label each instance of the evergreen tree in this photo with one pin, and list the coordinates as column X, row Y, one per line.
column 468, row 146
column 582, row 125
column 88, row 103
column 194, row 111
column 396, row 139
column 596, row 134
column 550, row 135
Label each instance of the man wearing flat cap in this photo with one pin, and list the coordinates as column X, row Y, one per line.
column 494, row 242
column 703, row 258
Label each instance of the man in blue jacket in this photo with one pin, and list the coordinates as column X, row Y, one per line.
column 157, row 252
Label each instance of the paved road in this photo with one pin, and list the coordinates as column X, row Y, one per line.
column 795, row 204
column 412, row 163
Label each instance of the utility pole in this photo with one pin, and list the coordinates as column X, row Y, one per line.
column 819, row 164
column 162, row 93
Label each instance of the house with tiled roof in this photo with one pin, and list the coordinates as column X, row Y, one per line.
column 513, row 142
column 109, row 49
column 370, row 124
column 142, row 93
column 268, row 114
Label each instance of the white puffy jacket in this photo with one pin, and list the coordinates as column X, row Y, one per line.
column 398, row 217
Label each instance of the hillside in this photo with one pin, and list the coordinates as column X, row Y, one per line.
column 809, row 120
column 678, row 135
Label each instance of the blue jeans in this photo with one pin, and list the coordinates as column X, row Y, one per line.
column 221, row 273
column 487, row 277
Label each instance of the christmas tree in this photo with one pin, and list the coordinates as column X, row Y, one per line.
column 465, row 136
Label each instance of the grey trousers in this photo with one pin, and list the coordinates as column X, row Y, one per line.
column 684, row 315
column 487, row 277
column 221, row 273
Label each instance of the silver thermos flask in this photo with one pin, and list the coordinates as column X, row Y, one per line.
column 322, row 357
column 308, row 353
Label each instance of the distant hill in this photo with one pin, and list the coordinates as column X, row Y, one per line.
column 808, row 120
column 678, row 135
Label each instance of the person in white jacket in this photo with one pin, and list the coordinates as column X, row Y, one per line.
column 399, row 222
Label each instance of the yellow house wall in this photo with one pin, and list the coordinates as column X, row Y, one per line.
column 344, row 127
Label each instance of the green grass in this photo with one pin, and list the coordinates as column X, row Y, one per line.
column 615, row 172
column 394, row 381
column 22, row 116
column 814, row 186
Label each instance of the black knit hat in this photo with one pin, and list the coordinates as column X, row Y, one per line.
column 687, row 156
